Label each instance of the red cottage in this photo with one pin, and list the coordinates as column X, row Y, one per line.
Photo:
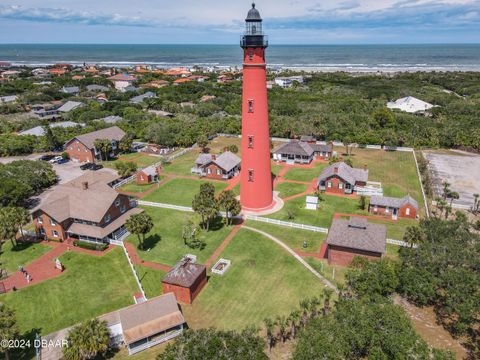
column 355, row 237
column 82, row 147
column 340, row 178
column 222, row 167
column 147, row 176
column 406, row 207
column 185, row 280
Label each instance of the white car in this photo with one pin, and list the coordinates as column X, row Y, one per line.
column 56, row 160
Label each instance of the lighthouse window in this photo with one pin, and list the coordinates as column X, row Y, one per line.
column 250, row 142
column 250, row 55
column 250, row 106
column 250, row 175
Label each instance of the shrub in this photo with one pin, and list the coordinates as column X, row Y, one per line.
column 90, row 246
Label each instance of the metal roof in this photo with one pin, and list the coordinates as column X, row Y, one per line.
column 393, row 202
column 69, row 106
column 184, row 274
column 253, row 14
column 344, row 172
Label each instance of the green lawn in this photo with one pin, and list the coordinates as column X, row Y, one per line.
column 165, row 240
column 334, row 273
column 182, row 165
column 276, row 169
column 396, row 229
column 151, row 280
column 289, row 189
column 89, row 287
column 135, row 188
column 142, row 160
column 321, row 217
column 180, row 191
column 396, row 171
column 263, row 281
column 305, row 174
column 294, row 238
column 22, row 254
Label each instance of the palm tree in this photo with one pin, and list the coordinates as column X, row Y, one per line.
column 104, row 146
column 413, row 236
column 269, row 325
column 304, row 306
column 22, row 218
column 313, row 308
column 293, row 320
column 281, row 322
column 327, row 293
column 453, row 195
column 476, row 203
column 9, row 329
column 446, row 190
column 88, row 340
column 140, row 225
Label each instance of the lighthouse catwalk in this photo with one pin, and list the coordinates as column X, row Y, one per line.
column 256, row 189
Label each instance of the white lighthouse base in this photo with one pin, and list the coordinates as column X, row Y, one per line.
column 276, row 205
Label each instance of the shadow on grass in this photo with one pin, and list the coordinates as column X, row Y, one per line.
column 28, row 352
column 151, row 241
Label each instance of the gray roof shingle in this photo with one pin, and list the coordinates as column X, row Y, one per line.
column 345, row 172
column 184, row 274
column 111, row 133
column 358, row 234
column 227, row 161
column 393, row 202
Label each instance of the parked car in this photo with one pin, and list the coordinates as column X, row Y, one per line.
column 96, row 167
column 56, row 160
column 47, row 157
column 86, row 166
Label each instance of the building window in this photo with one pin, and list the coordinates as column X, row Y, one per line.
column 108, row 218
column 42, row 231
column 209, row 171
column 250, row 106
column 55, row 233
column 407, row 212
column 219, row 172
column 250, row 175
column 117, row 202
column 250, row 55
column 52, row 222
column 40, row 220
column 387, row 210
column 250, row 142
column 329, row 184
column 340, row 186
column 122, row 209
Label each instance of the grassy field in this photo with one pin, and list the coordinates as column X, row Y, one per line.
column 164, row 243
column 294, row 238
column 151, row 280
column 263, row 281
column 180, row 191
column 218, row 144
column 90, row 286
column 142, row 160
column 396, row 171
column 305, row 174
column 289, row 189
column 182, row 165
column 22, row 254
column 135, row 188
column 321, row 217
column 334, row 273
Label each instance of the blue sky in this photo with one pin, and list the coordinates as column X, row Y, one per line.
column 221, row 21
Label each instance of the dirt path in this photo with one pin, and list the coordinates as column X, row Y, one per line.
column 222, row 246
column 424, row 323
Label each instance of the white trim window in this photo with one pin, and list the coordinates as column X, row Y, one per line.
column 340, row 185
column 108, row 217
column 55, row 233
column 53, row 222
column 117, row 201
column 407, row 211
column 329, row 184
column 387, row 209
column 40, row 220
column 219, row 172
column 123, row 209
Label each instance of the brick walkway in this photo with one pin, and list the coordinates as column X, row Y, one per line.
column 223, row 245
column 132, row 252
column 43, row 268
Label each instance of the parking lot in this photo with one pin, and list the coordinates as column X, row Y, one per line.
column 460, row 169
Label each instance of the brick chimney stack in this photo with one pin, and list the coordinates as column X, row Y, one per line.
column 214, row 157
column 85, row 185
column 335, row 170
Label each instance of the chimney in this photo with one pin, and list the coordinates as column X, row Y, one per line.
column 214, row 157
column 365, row 167
column 85, row 185
column 335, row 170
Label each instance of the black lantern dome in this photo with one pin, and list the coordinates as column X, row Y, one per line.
column 253, row 36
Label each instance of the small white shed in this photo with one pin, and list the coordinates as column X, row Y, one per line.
column 312, row 203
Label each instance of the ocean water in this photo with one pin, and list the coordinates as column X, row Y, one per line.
column 315, row 57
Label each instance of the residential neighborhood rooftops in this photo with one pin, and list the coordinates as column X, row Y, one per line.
column 349, row 174
column 393, row 202
column 184, row 274
column 410, row 104
column 123, row 77
column 301, row 148
column 69, row 106
column 111, row 133
column 140, row 98
column 150, row 317
column 71, row 89
column 40, row 130
column 358, row 233
column 112, row 119
column 95, row 87
column 8, row 98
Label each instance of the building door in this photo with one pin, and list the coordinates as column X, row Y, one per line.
column 395, row 214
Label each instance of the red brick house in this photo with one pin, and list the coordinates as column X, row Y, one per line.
column 302, row 152
column 355, row 237
column 222, row 167
column 340, row 178
column 147, row 176
column 86, row 208
column 185, row 280
column 82, row 147
column 406, row 207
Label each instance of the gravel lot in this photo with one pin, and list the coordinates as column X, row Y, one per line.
column 462, row 171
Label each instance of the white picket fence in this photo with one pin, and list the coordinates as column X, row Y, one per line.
column 399, row 243
column 124, row 182
column 286, row 224
column 133, row 270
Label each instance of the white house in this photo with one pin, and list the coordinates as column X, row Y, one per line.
column 287, row 82
column 410, row 104
column 122, row 81
column 8, row 99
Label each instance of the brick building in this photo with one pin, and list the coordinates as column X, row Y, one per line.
column 355, row 237
column 82, row 147
column 185, row 280
column 86, row 208
column 406, row 207
column 340, row 178
column 147, row 176
column 222, row 167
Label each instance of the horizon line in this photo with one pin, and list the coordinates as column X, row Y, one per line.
column 230, row 44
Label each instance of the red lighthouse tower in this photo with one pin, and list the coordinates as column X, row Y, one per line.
column 256, row 191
